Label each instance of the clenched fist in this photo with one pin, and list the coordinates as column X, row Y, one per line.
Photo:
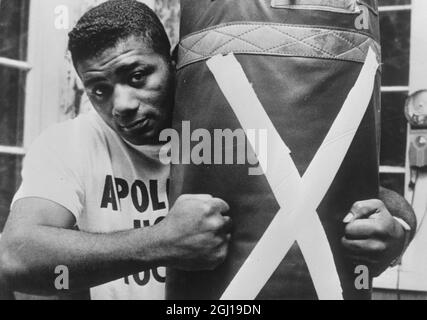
column 197, row 232
column 372, row 236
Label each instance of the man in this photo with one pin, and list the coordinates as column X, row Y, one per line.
column 102, row 173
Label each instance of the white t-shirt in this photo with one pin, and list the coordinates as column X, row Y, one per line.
column 107, row 184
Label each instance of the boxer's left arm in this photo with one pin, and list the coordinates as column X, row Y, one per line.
column 373, row 236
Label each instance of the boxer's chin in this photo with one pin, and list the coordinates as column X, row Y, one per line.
column 149, row 135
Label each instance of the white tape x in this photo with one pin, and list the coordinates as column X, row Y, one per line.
column 298, row 197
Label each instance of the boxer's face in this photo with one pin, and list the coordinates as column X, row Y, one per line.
column 131, row 87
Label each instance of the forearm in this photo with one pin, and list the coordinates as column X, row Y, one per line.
column 399, row 207
column 31, row 257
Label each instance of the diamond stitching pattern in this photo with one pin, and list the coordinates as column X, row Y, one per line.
column 280, row 39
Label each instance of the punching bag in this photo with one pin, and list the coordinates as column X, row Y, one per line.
column 302, row 58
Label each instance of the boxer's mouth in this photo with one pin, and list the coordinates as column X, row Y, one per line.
column 135, row 125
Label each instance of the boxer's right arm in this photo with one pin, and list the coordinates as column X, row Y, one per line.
column 38, row 238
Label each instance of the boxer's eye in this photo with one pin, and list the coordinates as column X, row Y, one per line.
column 100, row 91
column 137, row 79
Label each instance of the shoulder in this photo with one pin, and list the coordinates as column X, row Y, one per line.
column 80, row 133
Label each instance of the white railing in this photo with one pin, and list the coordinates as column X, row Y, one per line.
column 392, row 170
column 395, row 89
column 406, row 7
column 16, row 151
column 16, row 64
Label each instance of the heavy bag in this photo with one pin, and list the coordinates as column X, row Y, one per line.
column 302, row 58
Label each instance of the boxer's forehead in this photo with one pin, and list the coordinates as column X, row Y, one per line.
column 126, row 54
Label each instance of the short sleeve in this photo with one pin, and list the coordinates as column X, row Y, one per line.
column 52, row 170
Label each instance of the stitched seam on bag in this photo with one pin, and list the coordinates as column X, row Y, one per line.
column 354, row 48
column 194, row 44
column 237, row 37
column 210, row 52
column 241, row 39
column 349, row 41
column 269, row 24
column 302, row 41
column 315, row 7
column 307, row 44
column 282, row 46
column 278, row 53
column 275, row 52
column 325, row 7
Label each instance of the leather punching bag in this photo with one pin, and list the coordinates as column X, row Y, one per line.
column 302, row 57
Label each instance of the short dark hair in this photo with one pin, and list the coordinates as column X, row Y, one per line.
column 105, row 25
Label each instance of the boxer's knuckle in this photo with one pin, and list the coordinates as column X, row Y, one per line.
column 378, row 246
column 224, row 249
column 358, row 206
column 183, row 198
column 206, row 208
column 210, row 242
column 348, row 229
column 380, row 229
column 215, row 224
column 214, row 242
column 225, row 205
column 220, row 256
column 379, row 204
column 220, row 242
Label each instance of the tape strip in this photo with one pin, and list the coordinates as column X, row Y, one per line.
column 297, row 219
column 342, row 6
column 285, row 182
